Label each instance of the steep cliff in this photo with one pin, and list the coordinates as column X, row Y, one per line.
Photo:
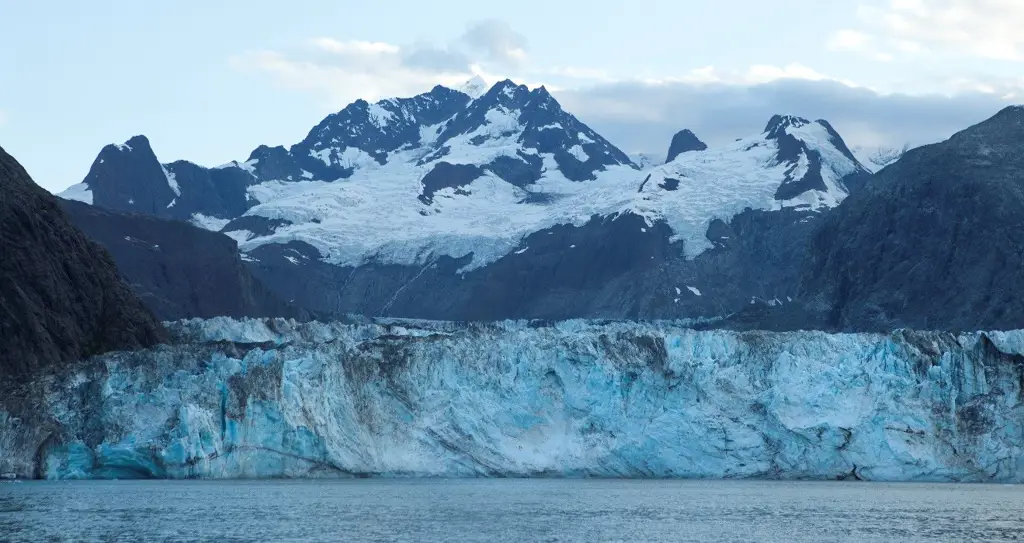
column 61, row 297
column 276, row 398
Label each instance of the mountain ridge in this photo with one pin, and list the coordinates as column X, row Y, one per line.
column 384, row 207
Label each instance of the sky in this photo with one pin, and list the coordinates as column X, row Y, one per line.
column 210, row 81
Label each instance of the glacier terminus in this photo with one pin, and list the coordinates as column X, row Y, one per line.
column 261, row 398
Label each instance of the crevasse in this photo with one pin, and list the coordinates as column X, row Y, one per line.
column 273, row 398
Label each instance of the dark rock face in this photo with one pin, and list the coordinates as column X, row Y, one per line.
column 61, row 297
column 684, row 141
column 521, row 170
column 217, row 192
column 934, row 241
column 130, row 178
column 444, row 175
column 258, row 225
column 179, row 270
column 612, row 267
column 812, row 180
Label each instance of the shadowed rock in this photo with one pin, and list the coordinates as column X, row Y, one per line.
column 61, row 297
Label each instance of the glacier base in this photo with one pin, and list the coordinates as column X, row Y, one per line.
column 276, row 398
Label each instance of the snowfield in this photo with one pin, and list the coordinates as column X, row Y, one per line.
column 376, row 216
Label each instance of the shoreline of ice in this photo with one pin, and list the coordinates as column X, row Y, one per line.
column 275, row 398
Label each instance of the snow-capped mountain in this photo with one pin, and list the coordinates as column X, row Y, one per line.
column 474, row 88
column 875, row 158
column 478, row 179
column 457, row 176
column 793, row 163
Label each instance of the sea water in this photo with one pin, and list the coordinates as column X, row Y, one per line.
column 508, row 510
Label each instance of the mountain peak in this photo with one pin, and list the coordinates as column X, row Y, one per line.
column 135, row 143
column 684, row 141
column 778, row 124
column 474, row 88
column 506, row 91
column 1005, row 122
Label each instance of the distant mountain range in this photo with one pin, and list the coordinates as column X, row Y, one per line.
column 493, row 203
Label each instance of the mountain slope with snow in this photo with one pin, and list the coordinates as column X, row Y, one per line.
column 874, row 158
column 383, row 203
column 456, row 175
column 794, row 163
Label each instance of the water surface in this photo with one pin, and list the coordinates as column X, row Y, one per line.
column 507, row 510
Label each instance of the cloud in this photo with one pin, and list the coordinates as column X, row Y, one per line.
column 498, row 41
column 753, row 75
column 848, row 40
column 355, row 47
column 3, row 117
column 977, row 28
column 436, row 59
column 341, row 71
column 642, row 117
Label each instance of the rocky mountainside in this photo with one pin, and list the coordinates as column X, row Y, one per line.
column 501, row 205
column 179, row 270
column 61, row 297
column 935, row 240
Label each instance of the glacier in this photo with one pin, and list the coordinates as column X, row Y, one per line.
column 263, row 398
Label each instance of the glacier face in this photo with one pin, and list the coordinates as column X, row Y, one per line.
column 273, row 398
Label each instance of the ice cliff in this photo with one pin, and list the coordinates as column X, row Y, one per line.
column 273, row 398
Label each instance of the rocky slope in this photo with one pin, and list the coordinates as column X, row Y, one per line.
column 276, row 399
column 61, row 297
column 179, row 270
column 935, row 240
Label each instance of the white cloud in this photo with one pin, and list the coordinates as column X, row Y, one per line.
column 355, row 47
column 642, row 114
column 848, row 40
column 369, row 75
column 497, row 40
column 341, row 71
column 753, row 75
column 978, row 28
column 642, row 117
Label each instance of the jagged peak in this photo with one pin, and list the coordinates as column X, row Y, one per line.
column 474, row 87
column 505, row 91
column 134, row 143
column 264, row 151
column 778, row 124
column 683, row 142
column 541, row 98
